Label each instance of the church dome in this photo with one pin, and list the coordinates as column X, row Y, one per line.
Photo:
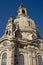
column 23, row 20
column 24, row 23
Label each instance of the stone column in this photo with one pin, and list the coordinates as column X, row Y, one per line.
column 34, row 58
column 10, row 56
column 25, row 59
column 25, row 56
column 30, row 62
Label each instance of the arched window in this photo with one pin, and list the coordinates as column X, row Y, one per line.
column 23, row 11
column 4, row 59
column 40, row 60
column 21, row 59
column 29, row 23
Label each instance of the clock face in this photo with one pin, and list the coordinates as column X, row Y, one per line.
column 4, row 43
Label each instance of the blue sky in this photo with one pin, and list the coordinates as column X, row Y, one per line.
column 9, row 8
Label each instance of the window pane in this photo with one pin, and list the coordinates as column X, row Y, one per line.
column 21, row 59
column 4, row 59
column 40, row 60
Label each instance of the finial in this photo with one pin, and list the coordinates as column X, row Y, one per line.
column 21, row 6
column 10, row 19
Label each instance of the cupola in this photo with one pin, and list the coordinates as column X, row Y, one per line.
column 22, row 10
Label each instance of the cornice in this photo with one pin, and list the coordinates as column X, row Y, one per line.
column 25, row 42
column 40, row 40
column 5, row 38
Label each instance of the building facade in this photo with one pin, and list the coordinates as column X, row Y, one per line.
column 21, row 44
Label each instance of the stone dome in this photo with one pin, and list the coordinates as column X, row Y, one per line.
column 23, row 21
column 25, row 24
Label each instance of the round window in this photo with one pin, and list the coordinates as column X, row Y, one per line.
column 4, row 43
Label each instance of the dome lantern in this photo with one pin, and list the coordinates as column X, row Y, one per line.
column 22, row 10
